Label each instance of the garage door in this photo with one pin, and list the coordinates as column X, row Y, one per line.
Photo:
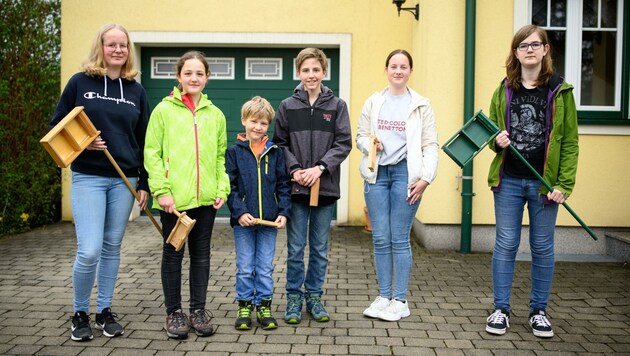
column 237, row 75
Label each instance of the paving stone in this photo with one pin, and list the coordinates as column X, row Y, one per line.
column 448, row 352
column 476, row 352
column 368, row 350
column 4, row 348
column 32, row 349
column 305, row 349
column 459, row 344
column 450, row 296
column 53, row 340
column 412, row 351
column 597, row 348
column 334, row 349
column 621, row 347
column 125, row 342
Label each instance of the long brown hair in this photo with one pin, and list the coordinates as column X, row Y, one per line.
column 191, row 55
column 513, row 65
column 94, row 65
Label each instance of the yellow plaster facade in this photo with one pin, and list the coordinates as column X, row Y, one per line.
column 366, row 31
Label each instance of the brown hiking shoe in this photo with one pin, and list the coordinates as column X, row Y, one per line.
column 200, row 322
column 177, row 325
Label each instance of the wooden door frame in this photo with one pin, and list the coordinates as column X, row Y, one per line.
column 342, row 41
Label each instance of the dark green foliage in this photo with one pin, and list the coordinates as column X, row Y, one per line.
column 30, row 188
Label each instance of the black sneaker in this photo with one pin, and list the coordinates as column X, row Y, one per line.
column 106, row 321
column 539, row 323
column 498, row 322
column 264, row 317
column 80, row 329
column 244, row 315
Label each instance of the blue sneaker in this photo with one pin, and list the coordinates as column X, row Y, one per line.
column 293, row 313
column 315, row 307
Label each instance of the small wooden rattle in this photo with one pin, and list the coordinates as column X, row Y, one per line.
column 179, row 234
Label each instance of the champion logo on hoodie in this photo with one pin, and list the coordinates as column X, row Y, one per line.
column 93, row 95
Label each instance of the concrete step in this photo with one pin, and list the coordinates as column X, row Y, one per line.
column 572, row 244
column 618, row 245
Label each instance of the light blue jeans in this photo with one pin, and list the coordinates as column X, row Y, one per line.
column 255, row 248
column 315, row 221
column 509, row 203
column 391, row 217
column 100, row 208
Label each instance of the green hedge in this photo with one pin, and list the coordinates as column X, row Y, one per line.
column 30, row 183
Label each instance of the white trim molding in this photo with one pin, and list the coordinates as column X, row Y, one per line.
column 611, row 130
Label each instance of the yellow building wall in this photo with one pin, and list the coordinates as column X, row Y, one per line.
column 436, row 42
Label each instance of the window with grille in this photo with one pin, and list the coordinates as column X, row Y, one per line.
column 165, row 68
column 587, row 41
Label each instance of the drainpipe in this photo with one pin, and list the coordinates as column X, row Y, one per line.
column 469, row 105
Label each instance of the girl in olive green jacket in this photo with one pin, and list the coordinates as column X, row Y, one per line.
column 536, row 110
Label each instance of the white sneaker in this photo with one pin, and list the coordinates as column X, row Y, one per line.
column 377, row 305
column 394, row 311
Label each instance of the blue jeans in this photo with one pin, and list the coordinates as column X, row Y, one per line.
column 255, row 247
column 199, row 251
column 100, row 208
column 317, row 220
column 391, row 217
column 509, row 203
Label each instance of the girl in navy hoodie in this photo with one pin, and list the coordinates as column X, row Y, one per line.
column 101, row 203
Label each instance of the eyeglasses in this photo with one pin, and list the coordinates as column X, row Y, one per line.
column 113, row 46
column 524, row 46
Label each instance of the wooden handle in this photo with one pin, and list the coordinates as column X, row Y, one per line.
column 372, row 153
column 314, row 193
column 266, row 223
column 132, row 189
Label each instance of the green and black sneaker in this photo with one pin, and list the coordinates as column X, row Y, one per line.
column 265, row 319
column 244, row 318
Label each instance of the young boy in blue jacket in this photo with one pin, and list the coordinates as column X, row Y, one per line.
column 260, row 190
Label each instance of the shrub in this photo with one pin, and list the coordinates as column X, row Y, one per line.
column 30, row 183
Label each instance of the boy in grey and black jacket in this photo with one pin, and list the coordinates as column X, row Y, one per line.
column 313, row 129
column 314, row 135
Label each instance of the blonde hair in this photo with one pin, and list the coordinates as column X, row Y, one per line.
column 513, row 65
column 258, row 107
column 307, row 53
column 94, row 65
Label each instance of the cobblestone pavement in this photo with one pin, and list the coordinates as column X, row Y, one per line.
column 450, row 297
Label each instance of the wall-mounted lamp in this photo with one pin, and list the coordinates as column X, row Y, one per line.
column 414, row 10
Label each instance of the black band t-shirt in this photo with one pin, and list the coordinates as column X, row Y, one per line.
column 527, row 131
